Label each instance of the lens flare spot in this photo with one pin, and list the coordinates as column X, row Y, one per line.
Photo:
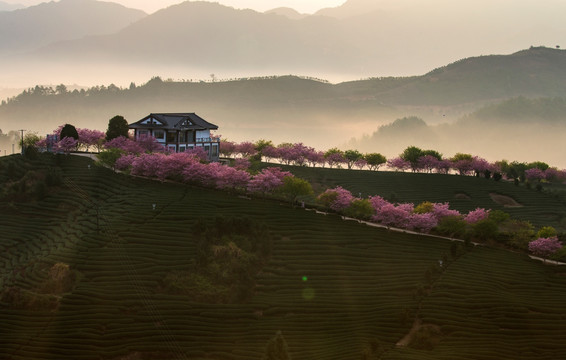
column 305, row 278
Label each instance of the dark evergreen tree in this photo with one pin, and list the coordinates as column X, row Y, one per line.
column 117, row 126
column 69, row 131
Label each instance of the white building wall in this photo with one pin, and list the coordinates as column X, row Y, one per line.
column 203, row 134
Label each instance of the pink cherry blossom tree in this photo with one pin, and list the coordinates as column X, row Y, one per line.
column 270, row 152
column 443, row 166
column 421, row 222
column 334, row 157
column 66, row 145
column 245, row 149
column 227, row 148
column 377, row 202
column 427, row 163
column 398, row 164
column 442, row 210
column 552, row 174
column 268, row 180
column 242, row 164
column 336, row 199
column 534, row 174
column 391, row 215
column 361, row 163
column 88, row 138
column 476, row 215
column 544, row 247
column 315, row 157
column 150, row 144
column 198, row 153
column 128, row 146
column 124, row 163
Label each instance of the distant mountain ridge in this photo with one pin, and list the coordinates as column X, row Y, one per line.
column 535, row 72
column 361, row 38
column 37, row 26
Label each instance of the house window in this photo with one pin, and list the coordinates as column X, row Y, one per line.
column 191, row 136
column 182, row 148
column 171, row 137
column 172, row 148
column 142, row 134
column 183, row 137
column 159, row 134
column 214, row 150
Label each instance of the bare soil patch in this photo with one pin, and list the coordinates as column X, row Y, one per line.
column 462, row 196
column 504, row 200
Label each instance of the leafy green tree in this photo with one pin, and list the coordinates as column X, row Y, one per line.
column 546, row 232
column 452, row 226
column 293, row 187
column 375, row 160
column 360, row 209
column 108, row 157
column 519, row 233
column 262, row 144
column 117, row 126
column 435, row 154
column 277, row 348
column 461, row 156
column 352, row 156
column 485, row 230
column 412, row 155
column 516, row 170
column 30, row 139
column 69, row 131
column 424, row 207
column 539, row 165
column 498, row 216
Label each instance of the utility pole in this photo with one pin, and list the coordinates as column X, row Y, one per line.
column 22, row 138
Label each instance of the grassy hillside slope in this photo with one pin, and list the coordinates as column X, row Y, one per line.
column 334, row 289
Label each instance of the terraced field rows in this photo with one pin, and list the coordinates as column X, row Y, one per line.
column 330, row 286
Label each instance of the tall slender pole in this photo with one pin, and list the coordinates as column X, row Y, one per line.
column 22, row 138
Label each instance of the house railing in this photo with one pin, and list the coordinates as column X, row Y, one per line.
column 210, row 140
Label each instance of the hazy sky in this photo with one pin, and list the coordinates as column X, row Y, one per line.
column 149, row 6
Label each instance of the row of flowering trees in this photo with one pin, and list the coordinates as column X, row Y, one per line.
column 411, row 159
column 190, row 168
column 302, row 155
column 422, row 218
column 85, row 139
column 479, row 224
column 148, row 158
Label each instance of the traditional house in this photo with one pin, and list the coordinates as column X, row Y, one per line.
column 179, row 132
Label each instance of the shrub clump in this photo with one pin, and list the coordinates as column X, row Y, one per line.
column 230, row 252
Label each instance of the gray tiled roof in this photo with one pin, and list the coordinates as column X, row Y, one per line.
column 175, row 121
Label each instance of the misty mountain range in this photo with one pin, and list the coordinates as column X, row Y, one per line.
column 361, row 38
column 37, row 26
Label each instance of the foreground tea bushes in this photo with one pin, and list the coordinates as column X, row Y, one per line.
column 333, row 289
